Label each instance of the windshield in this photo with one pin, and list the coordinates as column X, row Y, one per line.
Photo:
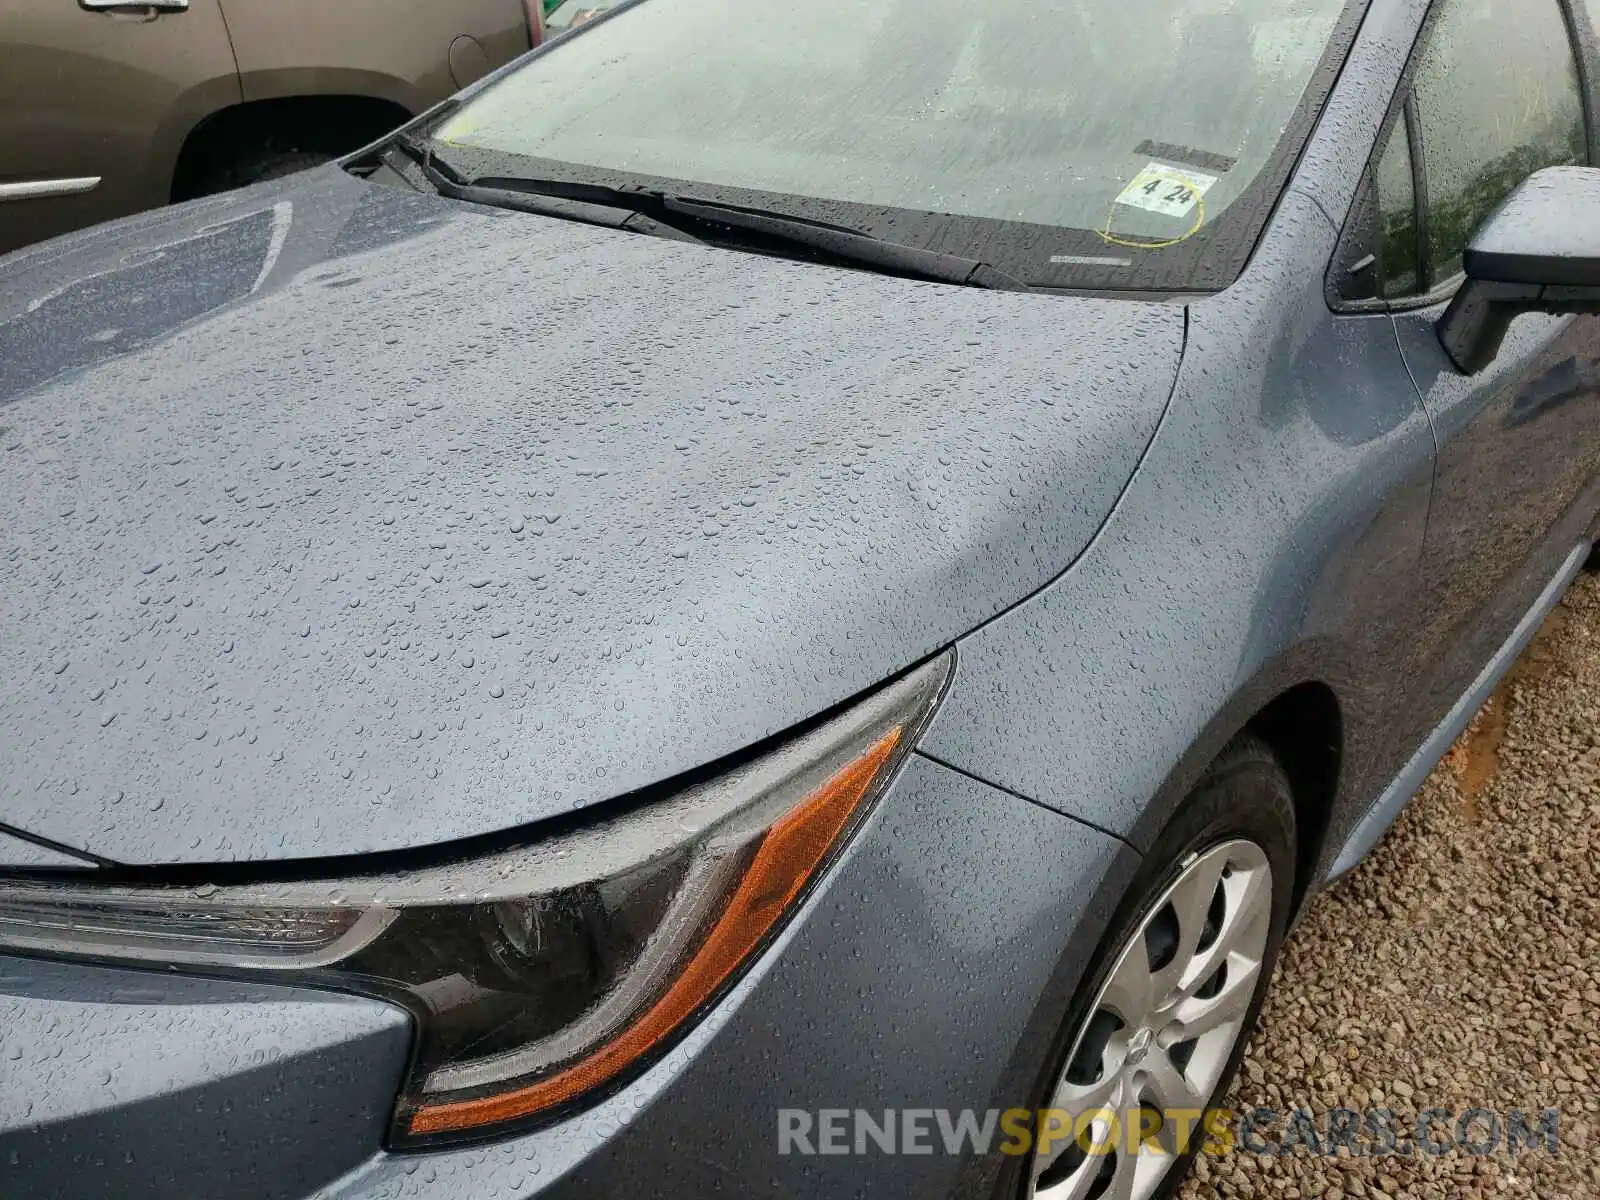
column 1064, row 141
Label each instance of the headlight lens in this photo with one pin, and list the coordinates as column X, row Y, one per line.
column 544, row 974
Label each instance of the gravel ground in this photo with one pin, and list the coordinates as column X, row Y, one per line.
column 1458, row 967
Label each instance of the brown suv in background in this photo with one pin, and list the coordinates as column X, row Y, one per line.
column 109, row 107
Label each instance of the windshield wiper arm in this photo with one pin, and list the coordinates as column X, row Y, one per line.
column 846, row 245
column 834, row 241
column 512, row 194
column 612, row 216
column 600, row 203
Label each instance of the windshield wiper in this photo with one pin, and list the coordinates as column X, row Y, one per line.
column 835, row 242
column 511, row 195
column 641, row 209
column 844, row 245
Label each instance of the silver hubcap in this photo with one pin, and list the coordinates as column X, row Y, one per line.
column 1153, row 1048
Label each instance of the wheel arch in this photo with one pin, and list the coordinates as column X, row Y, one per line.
column 334, row 122
column 1301, row 718
column 261, row 85
column 1304, row 727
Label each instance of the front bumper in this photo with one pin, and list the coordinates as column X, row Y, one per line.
column 930, row 970
column 132, row 1084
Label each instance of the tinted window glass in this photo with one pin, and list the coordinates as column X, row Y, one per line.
column 1119, row 132
column 1397, row 215
column 1498, row 94
column 562, row 15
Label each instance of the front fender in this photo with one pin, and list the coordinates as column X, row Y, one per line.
column 1267, row 539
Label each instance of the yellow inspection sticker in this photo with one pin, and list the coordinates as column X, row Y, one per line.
column 1170, row 191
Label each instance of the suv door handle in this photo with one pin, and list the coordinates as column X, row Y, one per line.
column 148, row 6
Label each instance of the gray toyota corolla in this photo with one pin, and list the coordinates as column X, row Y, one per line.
column 780, row 599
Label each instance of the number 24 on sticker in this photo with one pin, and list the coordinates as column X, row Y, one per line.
column 1170, row 191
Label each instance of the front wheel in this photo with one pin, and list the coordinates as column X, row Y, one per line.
column 1158, row 1030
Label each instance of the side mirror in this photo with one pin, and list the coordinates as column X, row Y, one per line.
column 1537, row 252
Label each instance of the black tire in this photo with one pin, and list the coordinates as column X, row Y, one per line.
column 1244, row 794
column 259, row 166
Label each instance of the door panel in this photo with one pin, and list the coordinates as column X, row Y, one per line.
column 395, row 50
column 1497, row 96
column 99, row 96
column 1519, row 450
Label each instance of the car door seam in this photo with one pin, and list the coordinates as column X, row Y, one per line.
column 1433, row 429
column 1316, row 203
column 233, row 50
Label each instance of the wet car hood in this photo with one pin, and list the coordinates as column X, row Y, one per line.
column 340, row 519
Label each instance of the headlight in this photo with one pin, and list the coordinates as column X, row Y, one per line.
column 539, row 976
